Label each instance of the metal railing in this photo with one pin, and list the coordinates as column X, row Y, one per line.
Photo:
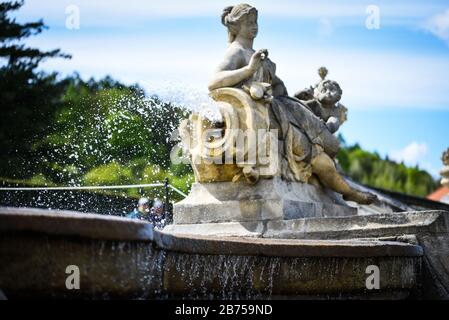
column 67, row 188
column 166, row 186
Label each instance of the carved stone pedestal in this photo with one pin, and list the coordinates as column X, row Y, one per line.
column 269, row 199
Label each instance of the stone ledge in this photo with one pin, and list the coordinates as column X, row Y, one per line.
column 283, row 247
column 39, row 244
column 93, row 226
column 366, row 226
column 223, row 229
column 36, row 265
column 377, row 225
column 71, row 223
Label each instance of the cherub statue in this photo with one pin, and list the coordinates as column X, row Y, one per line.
column 323, row 101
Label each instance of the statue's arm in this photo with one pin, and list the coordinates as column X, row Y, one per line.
column 234, row 69
column 230, row 72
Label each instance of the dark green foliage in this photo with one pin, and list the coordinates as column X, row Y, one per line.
column 108, row 125
column 77, row 132
column 370, row 169
column 28, row 98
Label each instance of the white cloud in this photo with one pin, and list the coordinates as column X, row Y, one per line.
column 412, row 154
column 370, row 80
column 101, row 12
column 438, row 25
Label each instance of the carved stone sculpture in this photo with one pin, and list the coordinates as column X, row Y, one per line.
column 251, row 96
column 323, row 100
column 266, row 134
column 445, row 170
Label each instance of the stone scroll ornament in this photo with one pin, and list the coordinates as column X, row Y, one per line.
column 264, row 132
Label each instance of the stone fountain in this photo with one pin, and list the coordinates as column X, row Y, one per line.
column 269, row 216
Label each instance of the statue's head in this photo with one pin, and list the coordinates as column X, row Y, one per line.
column 240, row 20
column 445, row 157
column 328, row 92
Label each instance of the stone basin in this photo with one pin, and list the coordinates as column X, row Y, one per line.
column 123, row 258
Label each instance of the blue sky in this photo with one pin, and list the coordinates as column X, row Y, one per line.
column 395, row 79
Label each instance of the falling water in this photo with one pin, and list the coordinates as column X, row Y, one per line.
column 110, row 123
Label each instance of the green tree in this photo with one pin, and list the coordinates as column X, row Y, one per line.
column 370, row 169
column 28, row 98
column 104, row 122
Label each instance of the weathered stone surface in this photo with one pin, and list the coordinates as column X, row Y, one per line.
column 222, row 229
column 252, row 99
column 249, row 277
column 70, row 223
column 361, row 226
column 429, row 229
column 269, row 199
column 241, row 115
column 34, row 266
column 376, row 225
column 35, row 260
column 283, row 247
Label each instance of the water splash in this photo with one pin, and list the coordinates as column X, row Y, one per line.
column 122, row 138
column 193, row 98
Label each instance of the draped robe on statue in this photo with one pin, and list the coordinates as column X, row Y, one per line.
column 303, row 134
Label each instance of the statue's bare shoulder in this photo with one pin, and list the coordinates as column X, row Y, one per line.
column 234, row 58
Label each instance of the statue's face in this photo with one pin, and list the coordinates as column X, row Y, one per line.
column 249, row 27
column 328, row 92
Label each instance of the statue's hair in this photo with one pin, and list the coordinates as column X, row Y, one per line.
column 232, row 16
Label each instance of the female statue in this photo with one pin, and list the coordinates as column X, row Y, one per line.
column 308, row 144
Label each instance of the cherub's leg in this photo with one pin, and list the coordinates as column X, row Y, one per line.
column 323, row 166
